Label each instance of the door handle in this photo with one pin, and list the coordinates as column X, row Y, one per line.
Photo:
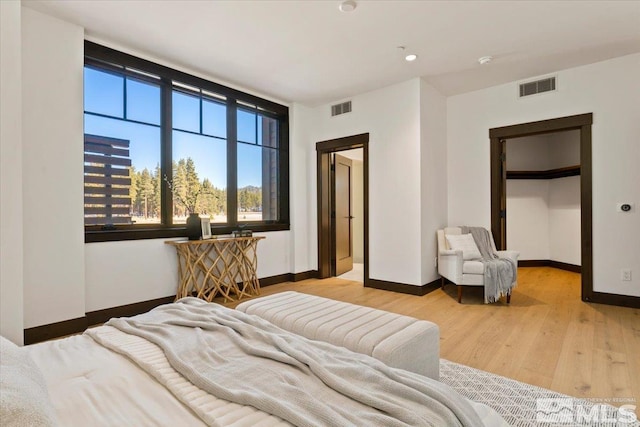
column 350, row 217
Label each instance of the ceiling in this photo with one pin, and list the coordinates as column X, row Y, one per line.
column 309, row 52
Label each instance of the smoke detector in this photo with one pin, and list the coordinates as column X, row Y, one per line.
column 348, row 6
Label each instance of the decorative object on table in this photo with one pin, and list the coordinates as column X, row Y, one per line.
column 194, row 226
column 189, row 201
column 242, row 233
column 206, row 228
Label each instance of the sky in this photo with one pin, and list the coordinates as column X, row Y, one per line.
column 104, row 94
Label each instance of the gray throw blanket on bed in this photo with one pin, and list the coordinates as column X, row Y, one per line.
column 247, row 360
column 499, row 273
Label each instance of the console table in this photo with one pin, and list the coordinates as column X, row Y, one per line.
column 222, row 266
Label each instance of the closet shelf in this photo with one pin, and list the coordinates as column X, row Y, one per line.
column 548, row 174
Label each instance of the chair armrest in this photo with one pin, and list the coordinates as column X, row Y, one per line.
column 449, row 252
column 450, row 264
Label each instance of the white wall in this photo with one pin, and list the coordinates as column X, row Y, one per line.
column 433, row 175
column 610, row 90
column 53, row 188
column 11, row 247
column 391, row 117
column 564, row 220
column 529, row 153
column 564, row 149
column 303, row 248
column 528, row 218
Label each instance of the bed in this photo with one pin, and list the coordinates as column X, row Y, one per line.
column 132, row 372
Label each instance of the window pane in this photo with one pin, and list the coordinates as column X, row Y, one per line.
column 246, row 127
column 214, row 119
column 257, row 183
column 114, row 195
column 103, row 93
column 143, row 101
column 199, row 176
column 186, row 112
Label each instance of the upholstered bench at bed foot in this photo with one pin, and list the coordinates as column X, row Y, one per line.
column 399, row 341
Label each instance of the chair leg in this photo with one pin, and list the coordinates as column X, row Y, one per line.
column 442, row 281
column 508, row 298
column 459, row 294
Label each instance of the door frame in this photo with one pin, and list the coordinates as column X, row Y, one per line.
column 325, row 238
column 581, row 122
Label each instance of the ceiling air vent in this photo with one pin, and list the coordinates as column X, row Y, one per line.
column 539, row 86
column 338, row 109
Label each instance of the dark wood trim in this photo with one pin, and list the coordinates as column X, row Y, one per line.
column 550, row 263
column 581, row 122
column 112, row 60
column 54, row 330
column 75, row 326
column 586, row 211
column 103, row 53
column 325, row 242
column 615, row 299
column 403, row 288
column 128, row 310
column 171, row 232
column 274, row 280
column 542, row 126
column 548, row 174
column 304, row 275
column 497, row 192
column 565, row 266
column 533, row 263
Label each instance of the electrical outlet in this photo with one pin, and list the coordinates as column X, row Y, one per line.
column 625, row 275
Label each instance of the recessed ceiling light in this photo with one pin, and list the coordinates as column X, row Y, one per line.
column 411, row 57
column 348, row 6
column 485, row 60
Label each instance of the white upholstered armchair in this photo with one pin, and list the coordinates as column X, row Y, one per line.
column 453, row 266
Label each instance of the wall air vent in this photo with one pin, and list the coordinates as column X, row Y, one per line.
column 539, row 86
column 342, row 108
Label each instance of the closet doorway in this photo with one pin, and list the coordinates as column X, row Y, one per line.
column 580, row 127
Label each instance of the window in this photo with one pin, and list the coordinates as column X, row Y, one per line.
column 148, row 126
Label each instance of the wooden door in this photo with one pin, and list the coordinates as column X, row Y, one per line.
column 343, row 215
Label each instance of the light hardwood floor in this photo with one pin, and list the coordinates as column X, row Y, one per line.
column 547, row 336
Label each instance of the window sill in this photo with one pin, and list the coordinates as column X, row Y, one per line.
column 95, row 236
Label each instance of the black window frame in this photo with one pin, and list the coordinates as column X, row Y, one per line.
column 102, row 57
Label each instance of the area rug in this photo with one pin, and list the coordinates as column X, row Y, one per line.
column 522, row 404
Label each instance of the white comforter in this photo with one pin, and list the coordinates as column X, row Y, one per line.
column 103, row 388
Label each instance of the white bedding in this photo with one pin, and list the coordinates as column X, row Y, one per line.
column 91, row 385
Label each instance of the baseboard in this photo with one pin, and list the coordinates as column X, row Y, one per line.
column 288, row 277
column 613, row 299
column 565, row 266
column 533, row 263
column 304, row 275
column 274, row 280
column 75, row 326
column 128, row 310
column 54, row 330
column 402, row 288
column 549, row 263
